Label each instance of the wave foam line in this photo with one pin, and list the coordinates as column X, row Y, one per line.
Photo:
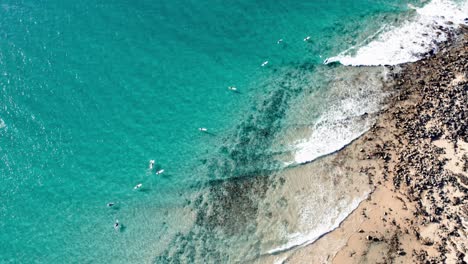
column 413, row 39
column 297, row 239
column 350, row 113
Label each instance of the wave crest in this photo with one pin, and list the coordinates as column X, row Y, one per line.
column 409, row 42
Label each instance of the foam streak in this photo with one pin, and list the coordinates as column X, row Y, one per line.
column 410, row 41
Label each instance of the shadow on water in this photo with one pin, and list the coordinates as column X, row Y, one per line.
column 235, row 92
column 209, row 133
column 122, row 228
column 115, row 207
column 165, row 176
column 144, row 190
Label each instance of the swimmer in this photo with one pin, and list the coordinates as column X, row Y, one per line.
column 151, row 164
column 110, row 204
column 264, row 63
column 138, row 186
column 159, row 172
column 116, row 225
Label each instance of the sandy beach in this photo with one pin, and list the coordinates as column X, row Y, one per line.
column 416, row 160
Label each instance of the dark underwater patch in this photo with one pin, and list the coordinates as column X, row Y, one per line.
column 240, row 177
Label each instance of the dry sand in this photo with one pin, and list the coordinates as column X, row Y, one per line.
column 416, row 159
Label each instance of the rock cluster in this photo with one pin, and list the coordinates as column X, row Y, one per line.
column 429, row 106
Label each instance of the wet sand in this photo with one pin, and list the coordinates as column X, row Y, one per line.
column 416, row 161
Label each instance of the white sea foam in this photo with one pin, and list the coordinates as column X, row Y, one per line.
column 412, row 39
column 2, row 124
column 336, row 215
column 343, row 118
column 321, row 195
column 313, row 200
column 331, row 133
column 349, row 110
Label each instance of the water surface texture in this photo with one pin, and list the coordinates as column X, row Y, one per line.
column 90, row 91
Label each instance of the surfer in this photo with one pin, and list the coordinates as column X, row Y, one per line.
column 110, row 204
column 116, row 225
column 159, row 172
column 151, row 164
column 279, row 41
column 264, row 63
column 202, row 129
column 232, row 88
column 138, row 186
column 307, row 38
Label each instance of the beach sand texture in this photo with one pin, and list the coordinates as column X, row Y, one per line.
column 416, row 159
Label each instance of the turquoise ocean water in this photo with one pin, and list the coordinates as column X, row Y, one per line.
column 90, row 91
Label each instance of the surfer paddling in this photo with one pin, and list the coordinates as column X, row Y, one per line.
column 159, row 172
column 138, row 186
column 117, row 225
column 151, row 164
column 265, row 63
column 306, row 39
column 203, row 129
column 232, row 88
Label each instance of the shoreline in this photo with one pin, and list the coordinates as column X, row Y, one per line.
column 409, row 202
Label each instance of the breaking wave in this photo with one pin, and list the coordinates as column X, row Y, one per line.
column 410, row 41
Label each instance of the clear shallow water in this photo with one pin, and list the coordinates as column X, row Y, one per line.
column 91, row 91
